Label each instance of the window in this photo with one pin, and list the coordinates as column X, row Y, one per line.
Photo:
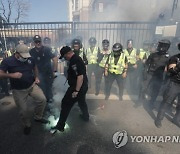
column 101, row 7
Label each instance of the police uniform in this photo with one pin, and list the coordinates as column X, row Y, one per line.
column 131, row 55
column 171, row 92
column 116, row 67
column 153, row 75
column 75, row 69
column 81, row 53
column 43, row 60
column 92, row 57
column 102, row 59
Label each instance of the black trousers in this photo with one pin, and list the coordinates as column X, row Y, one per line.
column 100, row 72
column 120, row 81
column 132, row 80
column 151, row 86
column 68, row 102
column 46, row 81
column 91, row 68
column 171, row 92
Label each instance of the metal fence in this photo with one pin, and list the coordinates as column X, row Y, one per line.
column 61, row 32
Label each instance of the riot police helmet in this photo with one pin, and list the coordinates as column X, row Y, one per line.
column 163, row 45
column 76, row 43
column 92, row 41
column 117, row 47
column 129, row 43
column 105, row 43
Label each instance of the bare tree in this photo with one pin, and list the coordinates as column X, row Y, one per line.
column 14, row 10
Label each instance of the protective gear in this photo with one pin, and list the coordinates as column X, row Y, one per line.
column 119, row 67
column 130, row 41
column 105, row 44
column 92, row 56
column 117, row 49
column 92, row 41
column 163, row 46
column 75, row 42
column 47, row 40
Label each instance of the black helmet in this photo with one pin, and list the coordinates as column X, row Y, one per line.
column 47, row 40
column 75, row 42
column 117, row 47
column 130, row 41
column 105, row 43
column 163, row 45
column 92, row 41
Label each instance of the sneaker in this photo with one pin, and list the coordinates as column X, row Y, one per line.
column 27, row 130
column 84, row 118
column 158, row 123
column 43, row 121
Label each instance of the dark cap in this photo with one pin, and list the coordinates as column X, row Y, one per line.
column 36, row 38
column 64, row 50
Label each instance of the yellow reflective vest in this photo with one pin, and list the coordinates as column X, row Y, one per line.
column 92, row 55
column 142, row 53
column 119, row 67
column 8, row 53
column 132, row 56
column 104, row 59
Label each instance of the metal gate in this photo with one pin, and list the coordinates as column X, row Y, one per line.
column 61, row 32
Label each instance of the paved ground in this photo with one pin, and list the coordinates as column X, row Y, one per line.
column 96, row 135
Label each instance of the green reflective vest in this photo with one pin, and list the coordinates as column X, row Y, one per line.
column 9, row 53
column 132, row 56
column 119, row 67
column 92, row 56
column 81, row 52
column 142, row 53
column 104, row 59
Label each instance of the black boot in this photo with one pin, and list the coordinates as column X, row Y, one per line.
column 157, row 123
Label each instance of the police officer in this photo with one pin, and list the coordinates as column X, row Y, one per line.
column 154, row 71
column 79, row 50
column 142, row 57
column 78, row 86
column 172, row 90
column 93, row 53
column 116, row 69
column 43, row 56
column 102, row 61
column 131, row 54
column 47, row 43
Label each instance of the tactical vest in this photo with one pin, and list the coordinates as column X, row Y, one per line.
column 131, row 57
column 103, row 61
column 119, row 67
column 92, row 56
